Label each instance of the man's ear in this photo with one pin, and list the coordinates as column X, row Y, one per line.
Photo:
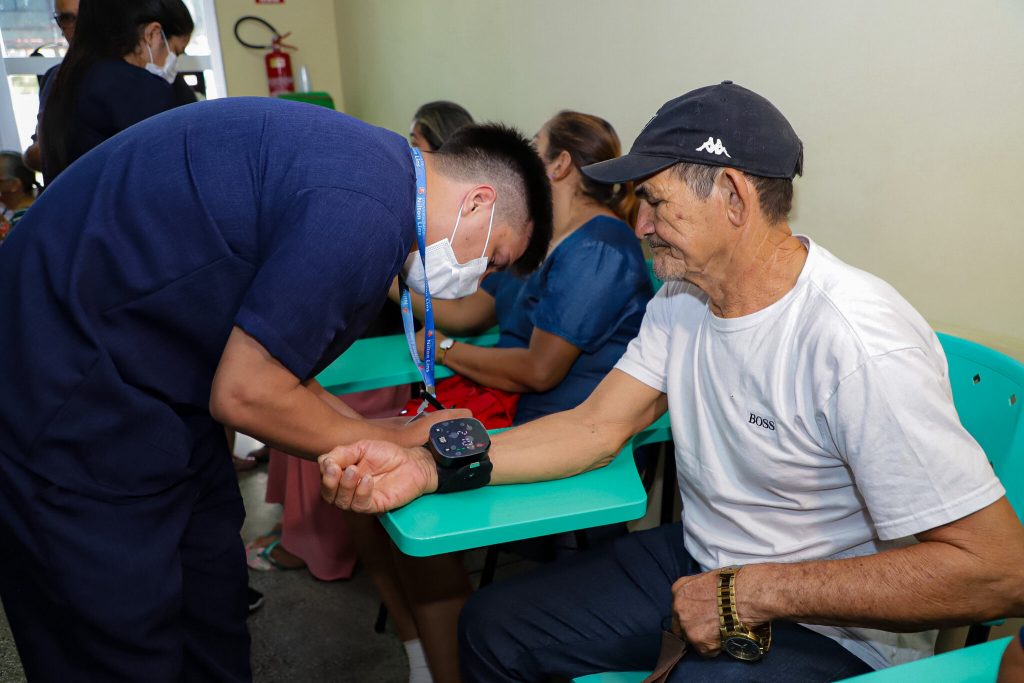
column 737, row 194
column 480, row 197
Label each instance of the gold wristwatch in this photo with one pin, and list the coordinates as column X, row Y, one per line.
column 738, row 640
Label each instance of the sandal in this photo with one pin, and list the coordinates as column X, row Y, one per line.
column 262, row 559
column 261, row 542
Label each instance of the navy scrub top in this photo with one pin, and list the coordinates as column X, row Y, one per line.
column 112, row 96
column 591, row 291
column 119, row 289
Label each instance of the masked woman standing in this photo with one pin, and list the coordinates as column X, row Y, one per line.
column 120, row 69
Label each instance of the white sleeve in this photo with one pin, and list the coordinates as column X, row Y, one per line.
column 646, row 357
column 916, row 467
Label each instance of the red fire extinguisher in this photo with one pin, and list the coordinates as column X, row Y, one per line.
column 279, row 68
column 278, row 62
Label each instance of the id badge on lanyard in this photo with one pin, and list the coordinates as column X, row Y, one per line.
column 426, row 364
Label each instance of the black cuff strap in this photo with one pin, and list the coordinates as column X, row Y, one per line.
column 472, row 476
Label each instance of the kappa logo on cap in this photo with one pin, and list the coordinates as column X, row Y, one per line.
column 714, row 147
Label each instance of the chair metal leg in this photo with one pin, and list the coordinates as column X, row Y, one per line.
column 977, row 634
column 490, row 566
column 582, row 542
column 668, row 483
column 382, row 619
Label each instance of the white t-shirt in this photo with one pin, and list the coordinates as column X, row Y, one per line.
column 820, row 427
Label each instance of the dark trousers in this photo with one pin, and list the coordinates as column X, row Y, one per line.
column 145, row 588
column 603, row 611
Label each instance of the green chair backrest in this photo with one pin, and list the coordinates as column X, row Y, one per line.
column 655, row 280
column 988, row 391
column 321, row 99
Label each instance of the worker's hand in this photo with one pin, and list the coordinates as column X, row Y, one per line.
column 416, row 433
column 375, row 476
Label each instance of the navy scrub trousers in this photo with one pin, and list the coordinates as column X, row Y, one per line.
column 135, row 588
column 119, row 507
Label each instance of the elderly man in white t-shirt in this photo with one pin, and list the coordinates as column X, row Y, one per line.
column 833, row 506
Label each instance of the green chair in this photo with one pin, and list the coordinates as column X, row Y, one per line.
column 383, row 362
column 977, row 664
column 655, row 280
column 988, row 392
column 321, row 99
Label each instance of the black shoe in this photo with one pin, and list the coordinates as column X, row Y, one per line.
column 255, row 599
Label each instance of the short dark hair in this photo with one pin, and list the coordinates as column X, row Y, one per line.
column 502, row 156
column 439, row 120
column 775, row 195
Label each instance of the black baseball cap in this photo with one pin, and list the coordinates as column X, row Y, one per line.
column 718, row 125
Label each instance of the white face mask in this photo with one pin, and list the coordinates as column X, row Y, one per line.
column 170, row 68
column 448, row 278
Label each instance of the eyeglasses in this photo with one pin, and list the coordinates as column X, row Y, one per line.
column 65, row 19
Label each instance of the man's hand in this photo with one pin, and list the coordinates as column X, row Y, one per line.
column 695, row 612
column 375, row 476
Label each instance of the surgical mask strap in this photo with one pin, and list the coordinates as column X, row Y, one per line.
column 490, row 223
column 166, row 44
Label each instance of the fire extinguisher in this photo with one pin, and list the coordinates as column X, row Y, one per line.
column 278, row 62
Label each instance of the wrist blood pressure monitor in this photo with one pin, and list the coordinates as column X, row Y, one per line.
column 460, row 448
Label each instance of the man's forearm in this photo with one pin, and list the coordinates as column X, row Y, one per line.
column 928, row 585
column 304, row 424
column 562, row 445
column 502, row 369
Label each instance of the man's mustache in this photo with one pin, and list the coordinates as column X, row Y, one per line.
column 653, row 242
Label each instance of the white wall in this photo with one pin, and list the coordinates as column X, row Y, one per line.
column 912, row 113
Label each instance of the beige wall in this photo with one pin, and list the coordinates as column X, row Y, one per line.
column 312, row 24
column 912, row 113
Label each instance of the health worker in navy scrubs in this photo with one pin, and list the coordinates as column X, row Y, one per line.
column 204, row 266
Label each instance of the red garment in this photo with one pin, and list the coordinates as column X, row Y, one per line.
column 310, row 528
column 494, row 407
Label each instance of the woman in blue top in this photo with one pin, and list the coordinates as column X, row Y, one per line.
column 563, row 328
column 120, row 69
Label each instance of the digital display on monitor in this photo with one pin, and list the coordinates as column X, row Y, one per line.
column 455, row 438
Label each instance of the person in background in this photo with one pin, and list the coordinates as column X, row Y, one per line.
column 1011, row 669
column 119, row 70
column 562, row 330
column 65, row 15
column 435, row 122
column 18, row 187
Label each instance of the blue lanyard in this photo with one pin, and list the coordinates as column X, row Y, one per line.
column 426, row 366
